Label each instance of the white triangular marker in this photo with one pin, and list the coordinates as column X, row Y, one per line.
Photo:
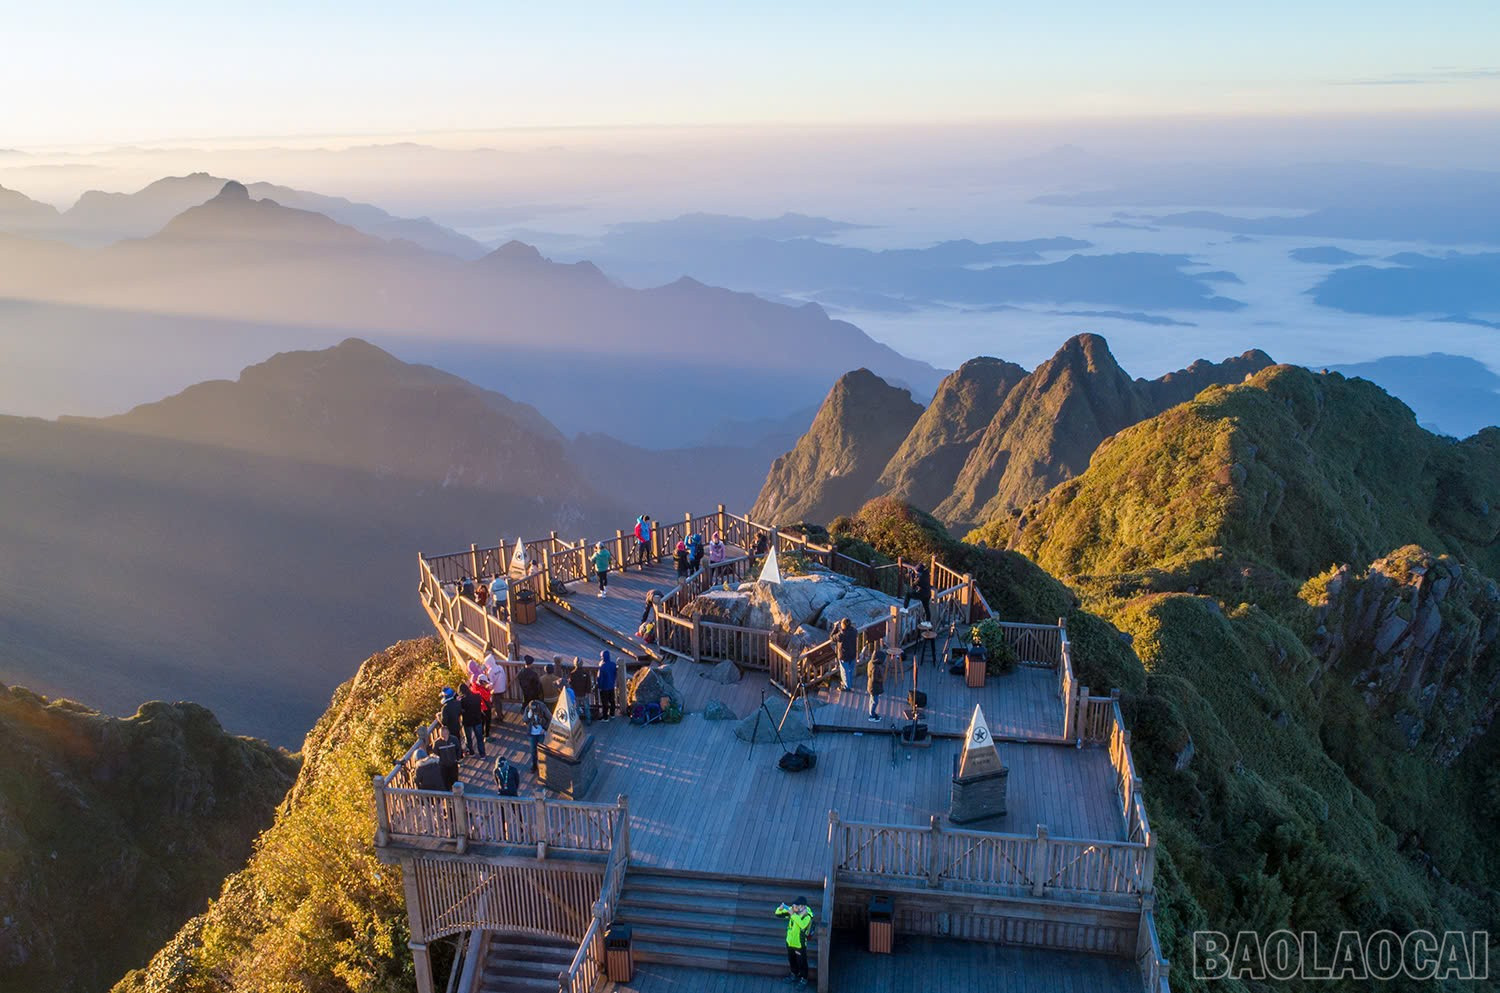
column 520, row 562
column 771, row 571
column 980, row 755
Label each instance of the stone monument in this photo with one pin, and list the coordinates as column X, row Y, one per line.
column 980, row 782
column 566, row 762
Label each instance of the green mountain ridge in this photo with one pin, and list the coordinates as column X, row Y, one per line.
column 116, row 831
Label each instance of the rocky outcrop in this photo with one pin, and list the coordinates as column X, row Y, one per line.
column 925, row 468
column 650, row 685
column 118, row 829
column 862, row 422
column 803, row 608
column 1418, row 635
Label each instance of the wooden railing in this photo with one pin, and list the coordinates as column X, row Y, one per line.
column 1066, row 687
column 1153, row 966
column 749, row 647
column 455, row 819
column 1038, row 645
column 586, row 969
column 938, row 857
column 461, row 894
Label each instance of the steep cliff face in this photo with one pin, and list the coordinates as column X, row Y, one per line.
column 115, row 831
column 314, row 911
column 926, row 466
column 1049, row 425
column 835, row 464
column 1416, row 634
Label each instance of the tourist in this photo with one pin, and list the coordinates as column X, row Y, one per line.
column 762, row 546
column 648, row 614
column 643, row 540
column 482, row 595
column 537, row 717
column 921, row 591
column 715, row 553
column 480, row 687
column 529, row 681
column 847, row 637
column 600, row 558
column 448, row 752
column 507, row 779
column 472, row 709
column 553, row 682
column 608, row 677
column 452, row 713
column 499, row 679
column 799, row 918
column 681, row 557
column 875, row 682
column 497, row 594
column 582, row 685
column 695, row 551
column 466, row 588
column 428, row 774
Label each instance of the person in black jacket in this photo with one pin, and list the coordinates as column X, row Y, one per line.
column 452, row 713
column 428, row 773
column 529, row 681
column 921, row 591
column 448, row 751
column 472, row 708
column 582, row 685
column 507, row 779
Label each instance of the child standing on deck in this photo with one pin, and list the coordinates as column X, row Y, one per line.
column 601, row 566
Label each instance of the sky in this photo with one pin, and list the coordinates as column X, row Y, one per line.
column 98, row 71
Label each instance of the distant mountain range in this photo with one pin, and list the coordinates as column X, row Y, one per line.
column 538, row 331
column 994, row 438
column 100, row 218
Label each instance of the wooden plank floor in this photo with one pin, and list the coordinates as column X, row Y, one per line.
column 918, row 965
column 702, row 800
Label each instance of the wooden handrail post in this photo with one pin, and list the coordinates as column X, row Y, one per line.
column 697, row 643
column 893, row 629
column 541, row 826
column 934, row 855
column 721, row 518
column 1148, row 869
column 382, row 814
column 1079, row 721
column 1039, row 862
column 546, row 572
column 619, row 550
column 624, row 803
column 460, row 818
column 969, row 597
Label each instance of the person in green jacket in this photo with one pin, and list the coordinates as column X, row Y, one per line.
column 600, row 559
column 799, row 920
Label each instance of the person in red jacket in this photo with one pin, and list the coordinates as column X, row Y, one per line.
column 481, row 689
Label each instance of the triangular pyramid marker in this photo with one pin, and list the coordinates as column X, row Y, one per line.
column 771, row 571
column 520, row 562
column 566, row 726
column 980, row 756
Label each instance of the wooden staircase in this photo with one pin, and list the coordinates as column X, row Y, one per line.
column 516, row 963
column 719, row 923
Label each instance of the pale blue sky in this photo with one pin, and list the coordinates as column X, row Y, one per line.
column 90, row 72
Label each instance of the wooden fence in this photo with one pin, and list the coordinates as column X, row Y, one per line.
column 457, row 820
column 937, row 857
column 1153, row 967
column 1038, row 645
column 455, row 895
column 586, row 969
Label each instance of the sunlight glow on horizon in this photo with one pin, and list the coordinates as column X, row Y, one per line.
column 163, row 70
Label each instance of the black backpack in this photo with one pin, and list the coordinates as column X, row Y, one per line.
column 802, row 758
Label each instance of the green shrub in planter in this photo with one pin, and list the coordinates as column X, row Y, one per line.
column 1001, row 658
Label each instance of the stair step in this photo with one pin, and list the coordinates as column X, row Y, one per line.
column 514, row 984
column 771, row 962
column 527, row 952
column 541, row 968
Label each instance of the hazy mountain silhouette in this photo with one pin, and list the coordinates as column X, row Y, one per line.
column 19, row 214
column 100, row 218
column 562, row 337
column 1325, row 255
column 1419, row 284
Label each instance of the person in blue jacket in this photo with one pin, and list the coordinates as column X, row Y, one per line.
column 609, row 676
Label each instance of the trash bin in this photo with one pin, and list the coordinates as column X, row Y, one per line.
column 619, row 960
column 525, row 607
column 882, row 929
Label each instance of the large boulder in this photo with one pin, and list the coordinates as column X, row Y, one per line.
column 650, row 684
column 720, row 606
column 718, row 710
column 861, row 605
column 758, row 728
column 725, row 672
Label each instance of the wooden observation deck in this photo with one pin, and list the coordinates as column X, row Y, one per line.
column 688, row 833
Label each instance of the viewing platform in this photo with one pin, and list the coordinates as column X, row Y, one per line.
column 687, row 832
